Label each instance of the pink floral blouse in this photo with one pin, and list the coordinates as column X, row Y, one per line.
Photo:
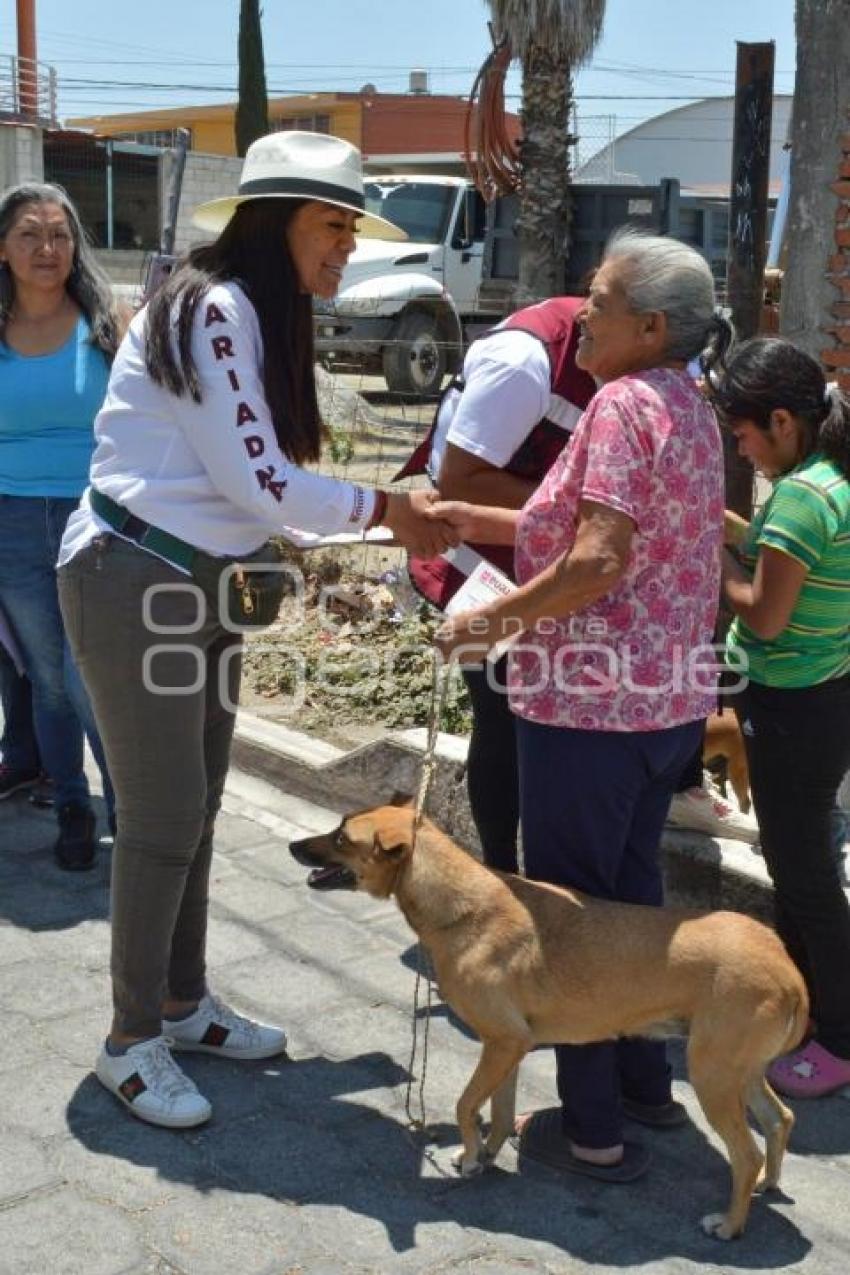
column 639, row 658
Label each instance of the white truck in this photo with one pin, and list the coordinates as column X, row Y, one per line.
column 408, row 310
column 405, row 309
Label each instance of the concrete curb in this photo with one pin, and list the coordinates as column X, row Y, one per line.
column 701, row 871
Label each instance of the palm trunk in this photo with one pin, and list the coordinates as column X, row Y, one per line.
column 545, row 206
column 821, row 103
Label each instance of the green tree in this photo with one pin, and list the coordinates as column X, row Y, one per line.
column 551, row 38
column 252, row 108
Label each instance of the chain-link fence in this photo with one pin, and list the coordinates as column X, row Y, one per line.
column 594, row 156
column 115, row 187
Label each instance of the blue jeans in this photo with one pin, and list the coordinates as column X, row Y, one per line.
column 18, row 749
column 592, row 809
column 31, row 529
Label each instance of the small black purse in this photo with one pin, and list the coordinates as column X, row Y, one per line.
column 253, row 594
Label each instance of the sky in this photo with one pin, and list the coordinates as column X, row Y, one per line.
column 114, row 55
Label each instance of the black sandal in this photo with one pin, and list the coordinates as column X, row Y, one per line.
column 542, row 1140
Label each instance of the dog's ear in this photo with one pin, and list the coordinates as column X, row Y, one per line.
column 401, row 799
column 392, row 853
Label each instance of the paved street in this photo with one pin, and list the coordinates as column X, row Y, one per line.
column 307, row 1165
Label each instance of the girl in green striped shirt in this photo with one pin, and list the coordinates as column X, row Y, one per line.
column 788, row 586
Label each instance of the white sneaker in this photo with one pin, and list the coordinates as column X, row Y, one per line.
column 706, row 810
column 215, row 1028
column 151, row 1085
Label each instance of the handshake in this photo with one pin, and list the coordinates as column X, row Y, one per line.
column 426, row 525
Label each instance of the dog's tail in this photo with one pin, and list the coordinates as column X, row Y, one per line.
column 798, row 1020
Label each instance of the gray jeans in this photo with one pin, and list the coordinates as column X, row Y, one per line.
column 166, row 720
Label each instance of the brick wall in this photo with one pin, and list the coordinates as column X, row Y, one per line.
column 836, row 358
column 401, row 124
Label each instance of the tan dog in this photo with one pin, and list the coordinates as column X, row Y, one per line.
column 525, row 964
column 723, row 738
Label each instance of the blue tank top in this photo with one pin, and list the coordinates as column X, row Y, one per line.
column 48, row 403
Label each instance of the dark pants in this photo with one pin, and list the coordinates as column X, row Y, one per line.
column 18, row 748
column 691, row 776
column 593, row 805
column 165, row 704
column 491, row 768
column 798, row 749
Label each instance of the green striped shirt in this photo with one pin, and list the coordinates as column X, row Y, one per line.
column 808, row 517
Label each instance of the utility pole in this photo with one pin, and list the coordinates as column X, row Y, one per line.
column 748, row 223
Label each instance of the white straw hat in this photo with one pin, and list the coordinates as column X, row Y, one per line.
column 296, row 165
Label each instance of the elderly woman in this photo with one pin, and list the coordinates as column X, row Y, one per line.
column 618, row 563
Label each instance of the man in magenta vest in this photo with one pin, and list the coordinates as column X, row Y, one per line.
column 499, row 427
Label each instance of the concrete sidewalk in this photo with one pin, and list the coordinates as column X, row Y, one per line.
column 307, row 1165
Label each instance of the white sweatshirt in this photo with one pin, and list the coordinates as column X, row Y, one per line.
column 212, row 472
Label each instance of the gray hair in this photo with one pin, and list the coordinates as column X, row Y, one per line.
column 666, row 275
column 87, row 284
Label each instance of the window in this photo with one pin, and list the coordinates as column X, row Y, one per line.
column 470, row 221
column 420, row 208
column 162, row 137
column 303, row 123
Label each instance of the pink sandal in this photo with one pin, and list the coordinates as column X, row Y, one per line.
column 810, row 1072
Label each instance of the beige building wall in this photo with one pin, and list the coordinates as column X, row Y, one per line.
column 213, row 136
column 212, row 127
column 21, row 156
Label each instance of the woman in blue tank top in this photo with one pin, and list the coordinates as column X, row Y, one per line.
column 58, row 335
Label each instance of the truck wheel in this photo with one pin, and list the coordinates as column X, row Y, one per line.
column 416, row 358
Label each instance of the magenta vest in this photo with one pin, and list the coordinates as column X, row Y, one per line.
column 553, row 323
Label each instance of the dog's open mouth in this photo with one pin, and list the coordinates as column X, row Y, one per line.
column 324, row 875
column 334, row 877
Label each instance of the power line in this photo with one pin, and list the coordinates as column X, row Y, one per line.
column 166, row 58
column 378, row 68
column 90, row 87
column 76, row 83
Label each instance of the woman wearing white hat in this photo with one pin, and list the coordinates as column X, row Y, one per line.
column 209, row 417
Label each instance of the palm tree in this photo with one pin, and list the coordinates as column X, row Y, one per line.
column 820, row 122
column 551, row 38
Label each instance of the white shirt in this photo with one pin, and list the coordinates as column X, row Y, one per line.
column 212, row 472
column 507, row 392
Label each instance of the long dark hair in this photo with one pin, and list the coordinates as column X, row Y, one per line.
column 87, row 284
column 252, row 251
column 767, row 373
